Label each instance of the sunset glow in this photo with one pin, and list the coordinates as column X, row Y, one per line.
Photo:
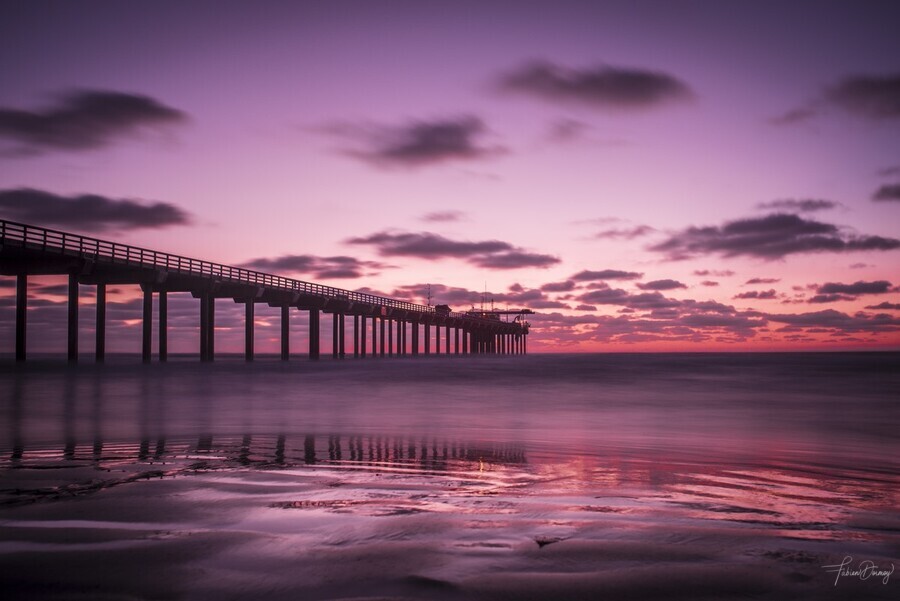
column 645, row 176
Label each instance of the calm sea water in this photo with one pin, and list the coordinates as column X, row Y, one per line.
column 543, row 476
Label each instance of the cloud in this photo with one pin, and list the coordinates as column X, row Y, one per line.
column 856, row 288
column 585, row 308
column 418, row 143
column 752, row 281
column 324, row 268
column 709, row 283
column 873, row 97
column 599, row 87
column 84, row 120
column 889, row 171
column 489, row 254
column 886, row 306
column 515, row 259
column 793, row 116
column 606, row 274
column 567, row 130
column 832, row 319
column 661, row 285
column 761, row 295
column 566, row 286
column 887, row 192
column 770, row 237
column 801, row 205
column 625, row 234
column 726, row 273
column 829, row 298
column 444, row 216
column 88, row 212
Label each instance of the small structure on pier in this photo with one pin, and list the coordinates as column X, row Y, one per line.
column 27, row 250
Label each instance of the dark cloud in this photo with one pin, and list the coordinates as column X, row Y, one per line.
column 325, row 268
column 585, row 308
column 566, row 286
column 599, row 87
column 428, row 245
column 419, row 143
column 831, row 319
column 887, row 192
column 606, row 274
column 489, row 254
column 444, row 216
column 752, row 281
column 769, row 237
column 625, row 234
column 885, row 306
column 567, row 130
column 88, row 212
column 801, row 205
column 856, row 288
column 727, row 273
column 84, row 120
column 709, row 283
column 515, row 259
column 758, row 294
column 889, row 171
column 820, row 299
column 661, row 285
column 868, row 96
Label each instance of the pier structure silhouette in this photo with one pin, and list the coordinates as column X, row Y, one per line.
column 397, row 327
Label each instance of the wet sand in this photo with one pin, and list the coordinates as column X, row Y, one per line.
column 237, row 518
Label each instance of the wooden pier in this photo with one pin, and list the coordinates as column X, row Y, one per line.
column 397, row 327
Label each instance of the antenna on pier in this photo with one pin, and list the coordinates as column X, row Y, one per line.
column 429, row 295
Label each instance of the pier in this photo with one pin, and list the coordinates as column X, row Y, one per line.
column 394, row 328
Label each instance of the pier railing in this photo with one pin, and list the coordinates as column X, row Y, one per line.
column 102, row 251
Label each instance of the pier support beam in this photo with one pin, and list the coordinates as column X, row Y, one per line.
column 314, row 336
column 211, row 332
column 73, row 318
column 147, row 333
column 390, row 326
column 447, row 340
column 362, row 336
column 381, row 343
column 427, row 338
column 336, row 322
column 21, row 314
column 204, row 326
column 100, row 326
column 163, row 326
column 356, row 335
column 341, row 335
column 285, row 332
column 249, row 326
column 374, row 336
column 415, row 337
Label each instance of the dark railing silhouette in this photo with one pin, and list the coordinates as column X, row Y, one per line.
column 102, row 251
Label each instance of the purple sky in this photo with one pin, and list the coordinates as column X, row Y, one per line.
column 645, row 175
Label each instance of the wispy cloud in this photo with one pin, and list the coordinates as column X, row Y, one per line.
column 801, row 205
column 418, row 143
column 84, row 120
column 443, row 216
column 606, row 274
column 598, row 87
column 88, row 212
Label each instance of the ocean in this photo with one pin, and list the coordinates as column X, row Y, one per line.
column 564, row 476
